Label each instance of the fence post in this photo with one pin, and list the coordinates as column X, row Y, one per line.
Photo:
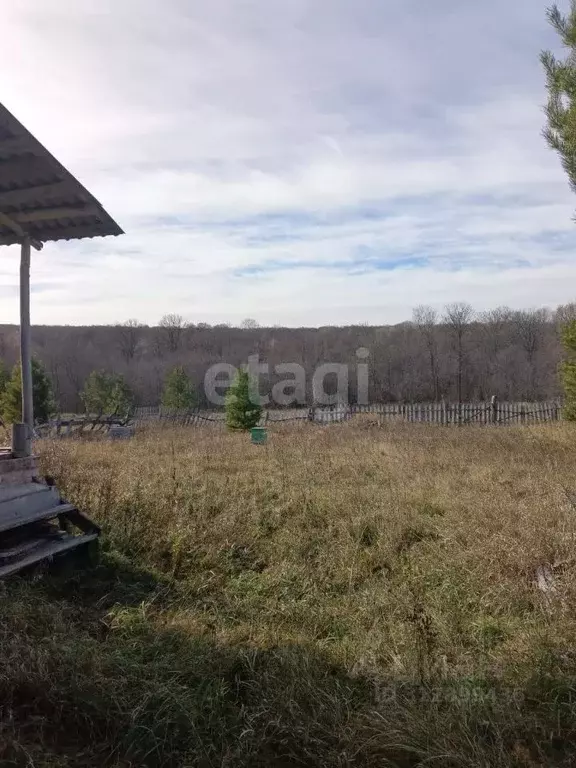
column 494, row 409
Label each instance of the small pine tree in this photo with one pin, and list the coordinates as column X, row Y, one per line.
column 178, row 391
column 11, row 398
column 241, row 412
column 106, row 393
column 568, row 370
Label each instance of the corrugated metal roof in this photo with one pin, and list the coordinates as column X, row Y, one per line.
column 38, row 196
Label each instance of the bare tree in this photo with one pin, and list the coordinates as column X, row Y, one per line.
column 530, row 326
column 495, row 322
column 511, row 355
column 171, row 327
column 565, row 313
column 129, row 335
column 458, row 317
column 71, row 368
column 425, row 319
column 249, row 323
column 494, row 338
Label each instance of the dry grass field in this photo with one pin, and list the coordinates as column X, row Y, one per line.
column 344, row 596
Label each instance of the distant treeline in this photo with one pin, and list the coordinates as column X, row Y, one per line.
column 457, row 354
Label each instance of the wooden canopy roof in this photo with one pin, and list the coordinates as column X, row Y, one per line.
column 39, row 198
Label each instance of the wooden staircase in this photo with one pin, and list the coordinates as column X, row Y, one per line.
column 36, row 524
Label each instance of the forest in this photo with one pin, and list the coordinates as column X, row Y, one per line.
column 456, row 354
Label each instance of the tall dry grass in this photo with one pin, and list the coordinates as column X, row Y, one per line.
column 346, row 596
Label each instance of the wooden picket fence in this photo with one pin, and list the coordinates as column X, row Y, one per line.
column 77, row 426
column 447, row 414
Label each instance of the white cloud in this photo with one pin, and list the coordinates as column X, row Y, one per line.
column 192, row 122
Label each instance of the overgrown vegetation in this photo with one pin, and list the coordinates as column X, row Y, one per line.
column 348, row 596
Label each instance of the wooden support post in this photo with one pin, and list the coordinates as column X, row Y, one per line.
column 494, row 409
column 21, row 447
column 25, row 353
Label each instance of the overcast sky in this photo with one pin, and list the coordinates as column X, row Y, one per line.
column 301, row 162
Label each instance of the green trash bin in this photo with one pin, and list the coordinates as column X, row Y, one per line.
column 259, row 435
